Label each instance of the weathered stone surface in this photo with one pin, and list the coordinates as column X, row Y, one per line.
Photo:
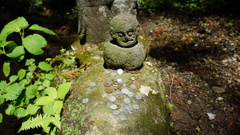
column 124, row 50
column 124, row 58
column 94, row 17
column 125, row 111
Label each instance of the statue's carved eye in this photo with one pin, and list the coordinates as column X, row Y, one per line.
column 120, row 34
column 130, row 33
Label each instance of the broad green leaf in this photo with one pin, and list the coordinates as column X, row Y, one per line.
column 52, row 92
column 29, row 62
column 44, row 66
column 17, row 52
column 1, row 99
column 32, row 68
column 21, row 74
column 58, row 105
column 7, row 43
column 13, row 91
column 31, row 91
column 46, row 83
column 1, row 117
column 6, row 68
column 12, row 79
column 3, row 85
column 63, row 89
column 43, row 29
column 29, row 75
column 20, row 112
column 44, row 100
column 10, row 110
column 32, row 109
column 14, row 26
column 48, row 109
column 49, row 76
column 34, row 44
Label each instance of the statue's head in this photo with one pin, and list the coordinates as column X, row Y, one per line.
column 124, row 30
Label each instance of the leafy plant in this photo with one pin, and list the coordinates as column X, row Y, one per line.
column 32, row 43
column 29, row 94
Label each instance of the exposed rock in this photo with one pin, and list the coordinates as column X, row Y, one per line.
column 125, row 111
column 218, row 90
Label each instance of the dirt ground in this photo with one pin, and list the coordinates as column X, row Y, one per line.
column 199, row 59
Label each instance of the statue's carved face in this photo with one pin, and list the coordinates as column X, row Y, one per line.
column 124, row 30
column 126, row 38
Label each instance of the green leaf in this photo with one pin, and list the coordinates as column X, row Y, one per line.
column 6, row 68
column 1, row 117
column 52, row 92
column 49, row 76
column 1, row 99
column 17, row 52
column 3, row 85
column 32, row 109
column 44, row 100
column 44, row 66
column 63, row 89
column 46, row 83
column 31, row 91
column 34, row 44
column 21, row 74
column 13, row 91
column 29, row 62
column 48, row 109
column 14, row 26
column 20, row 112
column 8, row 43
column 43, row 29
column 12, row 79
column 32, row 68
column 10, row 110
column 58, row 105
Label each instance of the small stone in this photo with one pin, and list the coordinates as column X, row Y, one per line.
column 113, row 107
column 106, row 72
column 119, row 97
column 85, row 100
column 122, row 117
column 116, row 112
column 133, row 86
column 138, row 97
column 135, row 106
column 93, row 84
column 112, row 99
column 113, row 74
column 211, row 116
column 220, row 98
column 109, row 90
column 120, row 71
column 218, row 90
column 126, row 100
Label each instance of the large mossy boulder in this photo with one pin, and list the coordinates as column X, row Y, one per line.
column 109, row 102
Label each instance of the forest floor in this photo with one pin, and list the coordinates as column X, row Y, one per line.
column 199, row 60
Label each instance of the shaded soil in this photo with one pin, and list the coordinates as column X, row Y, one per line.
column 198, row 56
column 200, row 64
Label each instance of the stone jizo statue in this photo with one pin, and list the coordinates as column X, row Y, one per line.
column 124, row 50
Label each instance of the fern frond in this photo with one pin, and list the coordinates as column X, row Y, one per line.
column 32, row 123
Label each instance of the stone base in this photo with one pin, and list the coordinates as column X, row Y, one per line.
column 112, row 103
